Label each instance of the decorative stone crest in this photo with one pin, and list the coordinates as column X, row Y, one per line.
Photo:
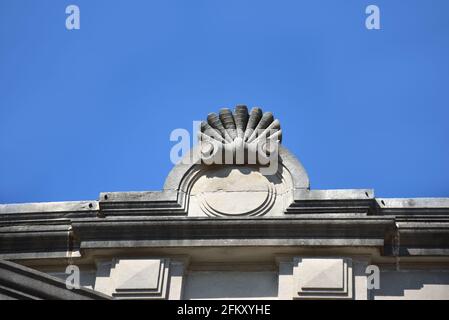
column 238, row 169
column 239, row 137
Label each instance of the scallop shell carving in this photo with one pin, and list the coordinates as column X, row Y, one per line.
column 239, row 134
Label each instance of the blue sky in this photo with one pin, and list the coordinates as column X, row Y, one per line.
column 91, row 110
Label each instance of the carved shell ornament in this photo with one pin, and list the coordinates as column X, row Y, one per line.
column 239, row 137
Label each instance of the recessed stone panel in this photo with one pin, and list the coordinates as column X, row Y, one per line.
column 234, row 191
column 140, row 278
column 325, row 278
column 139, row 274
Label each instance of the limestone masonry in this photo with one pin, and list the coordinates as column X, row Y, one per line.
column 222, row 227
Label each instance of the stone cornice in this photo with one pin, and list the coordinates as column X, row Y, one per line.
column 400, row 227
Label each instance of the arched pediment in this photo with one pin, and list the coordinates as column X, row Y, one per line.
column 235, row 186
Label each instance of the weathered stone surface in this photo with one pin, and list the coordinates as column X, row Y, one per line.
column 239, row 138
column 234, row 191
column 141, row 278
column 228, row 221
column 325, row 278
column 231, row 285
column 19, row 282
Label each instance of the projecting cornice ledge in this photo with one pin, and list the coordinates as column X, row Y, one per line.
column 145, row 232
column 399, row 227
column 224, row 192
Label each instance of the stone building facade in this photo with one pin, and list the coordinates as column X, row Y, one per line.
column 229, row 231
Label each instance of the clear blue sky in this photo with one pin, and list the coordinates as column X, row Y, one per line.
column 91, row 110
